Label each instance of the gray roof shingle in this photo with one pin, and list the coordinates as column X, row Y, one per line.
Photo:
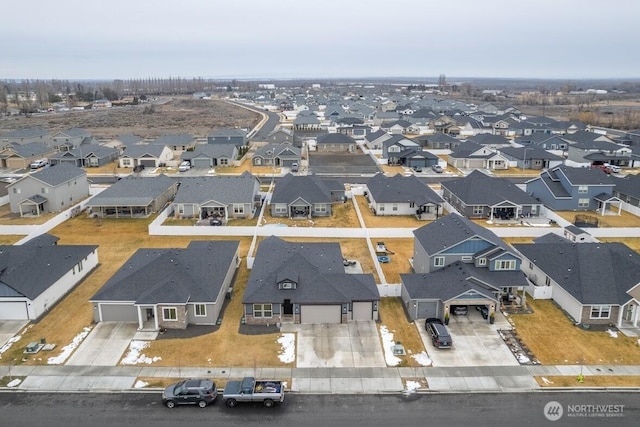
column 401, row 189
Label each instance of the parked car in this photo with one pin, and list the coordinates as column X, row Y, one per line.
column 439, row 334
column 484, row 310
column 40, row 163
column 294, row 167
column 458, row 310
column 184, row 166
column 437, row 168
column 613, row 168
column 199, row 392
column 138, row 168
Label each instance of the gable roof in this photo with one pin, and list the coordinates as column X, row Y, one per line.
column 629, row 185
column 32, row 149
column 222, row 189
column 93, row 150
column 227, row 132
column 593, row 273
column 151, row 276
column 55, row 175
column 451, row 230
column 336, row 138
column 401, row 189
column 308, row 187
column 528, row 153
column 211, row 151
column 133, row 191
column 318, row 269
column 478, row 188
column 30, row 269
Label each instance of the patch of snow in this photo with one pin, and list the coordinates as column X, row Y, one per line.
column 522, row 358
column 14, row 383
column 68, row 349
column 387, row 344
column 288, row 352
column 9, row 343
column 546, row 380
column 412, row 385
column 612, row 334
column 140, row 384
column 422, row 358
column 135, row 356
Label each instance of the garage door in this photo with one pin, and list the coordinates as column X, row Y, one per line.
column 118, row 313
column 200, row 163
column 148, row 163
column 321, row 314
column 363, row 310
column 14, row 310
column 425, row 309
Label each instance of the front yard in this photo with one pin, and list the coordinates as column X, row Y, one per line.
column 377, row 221
column 554, row 340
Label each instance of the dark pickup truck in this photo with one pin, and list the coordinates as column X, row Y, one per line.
column 251, row 390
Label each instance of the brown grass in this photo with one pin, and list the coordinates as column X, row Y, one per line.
column 9, row 239
column 554, row 340
column 108, row 169
column 625, row 219
column 633, row 243
column 392, row 315
column 516, row 172
column 8, row 218
column 402, row 250
column 344, row 216
column 373, row 221
column 589, row 381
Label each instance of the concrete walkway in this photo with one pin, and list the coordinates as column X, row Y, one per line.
column 309, row 380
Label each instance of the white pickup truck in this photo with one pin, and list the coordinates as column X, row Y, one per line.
column 251, row 390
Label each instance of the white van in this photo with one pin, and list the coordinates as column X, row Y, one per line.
column 39, row 164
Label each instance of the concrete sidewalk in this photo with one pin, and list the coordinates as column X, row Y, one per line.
column 308, row 380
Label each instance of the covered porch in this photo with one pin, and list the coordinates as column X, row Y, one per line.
column 606, row 202
column 33, row 206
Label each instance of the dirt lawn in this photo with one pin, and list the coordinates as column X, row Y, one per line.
column 177, row 114
column 554, row 340
column 625, row 219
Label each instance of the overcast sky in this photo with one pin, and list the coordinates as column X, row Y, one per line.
column 84, row 39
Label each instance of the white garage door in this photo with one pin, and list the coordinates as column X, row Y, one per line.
column 14, row 310
column 321, row 314
column 363, row 310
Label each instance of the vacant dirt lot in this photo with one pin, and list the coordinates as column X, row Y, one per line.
column 171, row 115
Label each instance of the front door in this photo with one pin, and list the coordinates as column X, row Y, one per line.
column 287, row 307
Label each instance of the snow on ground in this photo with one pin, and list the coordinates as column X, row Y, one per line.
column 423, row 359
column 135, row 356
column 140, row 384
column 522, row 358
column 546, row 381
column 612, row 334
column 14, row 383
column 68, row 349
column 9, row 343
column 387, row 344
column 288, row 352
column 412, row 385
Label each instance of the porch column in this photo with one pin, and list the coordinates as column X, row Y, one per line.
column 155, row 317
column 140, row 320
column 620, row 314
column 636, row 314
column 491, row 216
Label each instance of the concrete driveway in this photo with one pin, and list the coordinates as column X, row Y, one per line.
column 338, row 345
column 105, row 345
column 475, row 342
column 9, row 329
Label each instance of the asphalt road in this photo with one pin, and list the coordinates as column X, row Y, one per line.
column 145, row 409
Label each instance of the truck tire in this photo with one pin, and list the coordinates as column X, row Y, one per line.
column 268, row 403
column 170, row 404
column 231, row 403
column 202, row 403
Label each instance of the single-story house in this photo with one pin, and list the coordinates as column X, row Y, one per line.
column 209, row 156
column 469, row 155
column 34, row 276
column 532, row 157
column 223, row 197
column 170, row 288
column 86, row 156
column 336, row 142
column 147, row 155
column 52, row 189
column 232, row 136
column 591, row 281
column 478, row 195
column 20, row 156
column 277, row 155
column 134, row 196
column 303, row 282
column 403, row 195
column 304, row 196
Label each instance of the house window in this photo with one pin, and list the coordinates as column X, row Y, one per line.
column 262, row 310
column 223, row 162
column 394, row 149
column 583, row 203
column 200, row 310
column 180, row 209
column 320, row 207
column 530, row 265
column 126, row 162
column 257, row 161
column 412, row 204
column 80, row 267
column 43, row 190
column 477, row 210
column 547, row 281
column 438, row 261
column 583, row 189
column 16, row 190
column 281, row 209
column 506, row 264
column 394, row 207
column 238, row 209
column 287, row 285
column 381, row 207
column 600, row 311
column 466, row 258
column 482, row 261
column 169, row 313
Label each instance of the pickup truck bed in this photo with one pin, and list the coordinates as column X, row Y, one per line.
column 251, row 390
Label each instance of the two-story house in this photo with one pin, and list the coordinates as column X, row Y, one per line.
column 458, row 262
column 579, row 189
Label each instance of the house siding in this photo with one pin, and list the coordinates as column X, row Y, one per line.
column 567, row 302
column 58, row 198
column 421, row 260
